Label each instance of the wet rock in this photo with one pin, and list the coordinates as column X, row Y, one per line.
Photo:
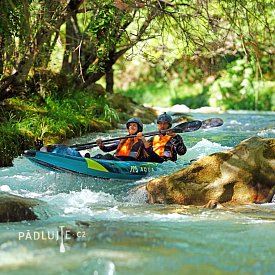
column 96, row 89
column 212, row 204
column 127, row 108
column 244, row 174
column 14, row 208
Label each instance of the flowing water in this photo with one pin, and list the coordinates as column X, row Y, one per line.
column 108, row 228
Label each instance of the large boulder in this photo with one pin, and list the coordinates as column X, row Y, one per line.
column 127, row 108
column 14, row 208
column 244, row 174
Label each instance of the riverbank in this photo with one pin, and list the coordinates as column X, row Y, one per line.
column 55, row 120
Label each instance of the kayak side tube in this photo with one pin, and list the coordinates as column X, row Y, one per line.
column 89, row 166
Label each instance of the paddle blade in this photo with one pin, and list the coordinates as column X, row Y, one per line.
column 187, row 126
column 211, row 122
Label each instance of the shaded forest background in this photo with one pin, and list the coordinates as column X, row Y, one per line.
column 67, row 65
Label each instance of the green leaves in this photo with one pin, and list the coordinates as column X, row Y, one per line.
column 238, row 89
column 75, row 115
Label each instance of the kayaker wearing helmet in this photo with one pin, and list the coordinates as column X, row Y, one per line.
column 166, row 146
column 136, row 148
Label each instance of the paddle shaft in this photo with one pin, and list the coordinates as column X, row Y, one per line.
column 112, row 140
column 183, row 127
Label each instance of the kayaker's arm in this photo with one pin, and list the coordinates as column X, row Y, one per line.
column 109, row 148
column 150, row 140
column 179, row 145
column 142, row 138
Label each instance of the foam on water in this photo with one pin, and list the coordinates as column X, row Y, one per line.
column 266, row 133
column 87, row 204
column 80, row 200
column 203, row 148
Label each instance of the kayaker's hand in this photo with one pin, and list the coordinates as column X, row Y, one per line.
column 141, row 137
column 100, row 143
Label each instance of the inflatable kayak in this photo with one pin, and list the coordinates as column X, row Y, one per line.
column 108, row 169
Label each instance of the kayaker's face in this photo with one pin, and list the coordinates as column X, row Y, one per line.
column 133, row 128
column 163, row 125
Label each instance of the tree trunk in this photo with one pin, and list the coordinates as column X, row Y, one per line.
column 70, row 59
column 13, row 84
column 110, row 81
column 1, row 55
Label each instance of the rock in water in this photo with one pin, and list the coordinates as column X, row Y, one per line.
column 241, row 175
column 14, row 208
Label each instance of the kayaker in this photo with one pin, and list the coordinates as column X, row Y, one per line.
column 136, row 148
column 166, row 146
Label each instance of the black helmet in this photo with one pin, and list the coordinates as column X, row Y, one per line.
column 165, row 118
column 137, row 121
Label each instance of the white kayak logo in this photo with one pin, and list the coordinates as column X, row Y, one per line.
column 136, row 169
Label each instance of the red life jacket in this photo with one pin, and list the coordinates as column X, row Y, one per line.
column 129, row 147
column 162, row 146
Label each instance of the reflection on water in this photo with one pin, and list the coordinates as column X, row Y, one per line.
column 112, row 230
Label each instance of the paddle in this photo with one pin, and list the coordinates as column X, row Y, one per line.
column 180, row 128
column 211, row 122
column 183, row 127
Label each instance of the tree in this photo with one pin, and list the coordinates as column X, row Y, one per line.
column 27, row 27
column 99, row 32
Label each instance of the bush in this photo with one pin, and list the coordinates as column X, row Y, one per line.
column 66, row 118
column 237, row 89
column 12, row 143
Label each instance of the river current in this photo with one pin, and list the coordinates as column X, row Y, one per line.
column 108, row 228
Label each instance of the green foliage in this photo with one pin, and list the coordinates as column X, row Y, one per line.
column 174, row 29
column 232, row 84
column 109, row 114
column 61, row 119
column 153, row 93
column 195, row 99
column 167, row 94
column 181, row 83
column 238, row 89
column 12, row 142
column 104, row 31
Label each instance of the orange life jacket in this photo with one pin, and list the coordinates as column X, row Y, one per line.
column 162, row 146
column 129, row 148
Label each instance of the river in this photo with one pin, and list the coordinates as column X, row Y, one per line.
column 108, row 228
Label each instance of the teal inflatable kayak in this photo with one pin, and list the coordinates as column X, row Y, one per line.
column 101, row 168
